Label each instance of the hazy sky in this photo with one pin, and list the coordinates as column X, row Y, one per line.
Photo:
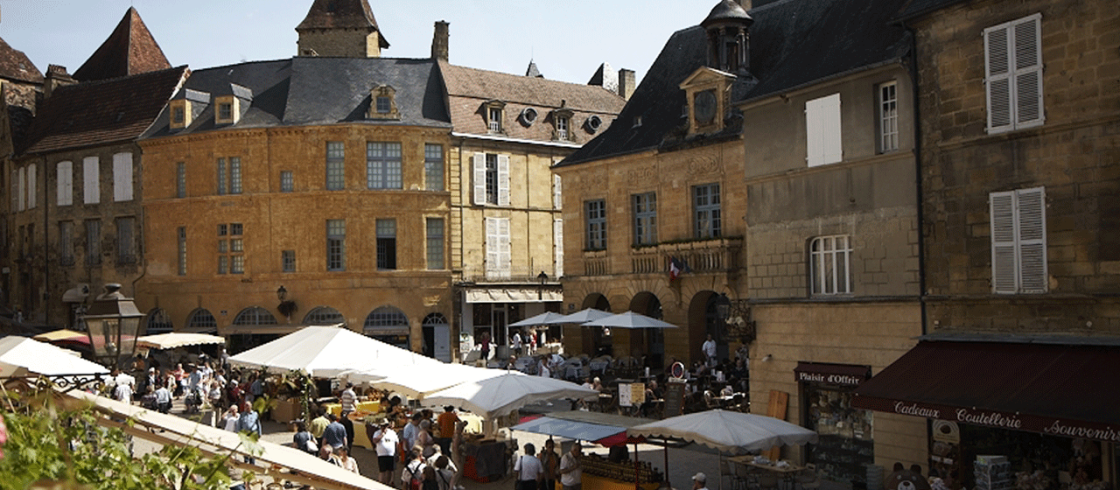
column 568, row 39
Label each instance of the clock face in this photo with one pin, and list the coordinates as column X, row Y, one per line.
column 704, row 107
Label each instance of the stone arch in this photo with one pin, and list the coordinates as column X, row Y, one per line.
column 703, row 320
column 388, row 324
column 158, row 321
column 595, row 341
column 254, row 315
column 324, row 316
column 436, row 337
column 201, row 320
column 648, row 342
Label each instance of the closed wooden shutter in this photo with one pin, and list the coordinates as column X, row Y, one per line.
column 122, row 177
column 65, row 183
column 479, row 164
column 1031, row 217
column 1002, row 208
column 1013, row 74
column 91, row 180
column 557, row 197
column 1028, row 72
column 822, row 131
column 491, row 266
column 22, row 188
column 32, row 185
column 558, row 246
column 998, row 82
column 505, row 257
column 503, row 180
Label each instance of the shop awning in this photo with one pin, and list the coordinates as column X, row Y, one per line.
column 1057, row 389
column 512, row 295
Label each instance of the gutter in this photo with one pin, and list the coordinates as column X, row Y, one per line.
column 486, row 137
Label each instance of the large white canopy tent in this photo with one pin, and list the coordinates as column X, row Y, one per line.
column 21, row 356
column 421, row 381
column 176, row 339
column 328, row 352
column 500, row 395
column 732, row 432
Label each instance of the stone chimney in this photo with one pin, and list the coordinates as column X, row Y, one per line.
column 627, row 82
column 441, row 41
column 56, row 77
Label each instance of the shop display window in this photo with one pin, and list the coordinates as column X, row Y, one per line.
column 845, row 447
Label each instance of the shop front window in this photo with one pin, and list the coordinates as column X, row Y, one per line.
column 845, row 447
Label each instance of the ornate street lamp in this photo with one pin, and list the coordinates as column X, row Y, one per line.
column 723, row 307
column 736, row 317
column 112, row 323
column 281, row 294
column 542, row 278
column 286, row 307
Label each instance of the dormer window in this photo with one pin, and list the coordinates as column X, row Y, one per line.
column 562, row 128
column 706, row 91
column 227, row 110
column 383, row 103
column 180, row 113
column 495, row 112
column 562, row 121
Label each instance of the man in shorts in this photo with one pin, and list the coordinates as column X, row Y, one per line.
column 385, row 441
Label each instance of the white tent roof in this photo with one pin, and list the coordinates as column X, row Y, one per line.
column 500, row 395
column 21, row 356
column 424, row 380
column 327, row 352
column 182, row 432
column 728, row 431
column 175, row 339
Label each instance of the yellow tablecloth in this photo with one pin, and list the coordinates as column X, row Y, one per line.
column 370, row 407
column 474, row 423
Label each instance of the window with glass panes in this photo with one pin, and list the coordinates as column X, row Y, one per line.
column 180, row 180
column 492, row 178
column 595, row 215
column 231, row 249
column 562, row 128
column 706, row 206
column 435, row 243
column 383, row 165
column 66, row 242
column 126, row 240
column 386, row 244
column 645, row 218
column 336, row 158
column 888, row 117
column 288, row 260
column 433, row 167
column 829, row 270
column 229, row 176
column 286, row 181
column 181, row 235
column 336, row 245
column 384, row 105
column 93, row 242
column 495, row 119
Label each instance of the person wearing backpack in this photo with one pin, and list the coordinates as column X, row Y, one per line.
column 412, row 476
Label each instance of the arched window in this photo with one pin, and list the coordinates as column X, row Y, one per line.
column 324, row 315
column 435, row 319
column 254, row 315
column 388, row 324
column 158, row 321
column 201, row 320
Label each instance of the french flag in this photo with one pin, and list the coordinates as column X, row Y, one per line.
column 676, row 267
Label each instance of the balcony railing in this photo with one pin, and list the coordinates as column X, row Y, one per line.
column 717, row 255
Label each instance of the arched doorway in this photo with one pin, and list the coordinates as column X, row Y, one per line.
column 596, row 341
column 202, row 321
column 245, row 339
column 704, row 320
column 648, row 342
column 715, row 326
column 157, row 322
column 324, row 316
column 437, row 337
column 388, row 324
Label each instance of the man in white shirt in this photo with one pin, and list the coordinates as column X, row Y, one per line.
column 516, row 343
column 123, row 393
column 385, row 441
column 414, row 470
column 529, row 469
column 699, row 482
column 709, row 349
column 542, row 369
column 571, row 469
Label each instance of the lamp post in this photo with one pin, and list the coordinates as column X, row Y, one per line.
column 736, row 317
column 286, row 307
column 542, row 278
column 112, row 323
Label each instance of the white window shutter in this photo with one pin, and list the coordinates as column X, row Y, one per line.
column 32, row 185
column 814, row 152
column 503, row 180
column 122, row 177
column 830, row 129
column 1028, row 72
column 557, row 196
column 479, row 162
column 491, row 246
column 91, row 180
column 1002, row 211
column 505, row 257
column 1031, row 216
column 65, row 183
column 558, row 246
column 998, row 78
column 22, row 188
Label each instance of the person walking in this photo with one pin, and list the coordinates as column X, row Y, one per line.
column 550, row 461
column 385, row 442
column 571, row 470
column 529, row 470
column 249, row 421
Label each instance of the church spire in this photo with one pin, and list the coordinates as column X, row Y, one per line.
column 340, row 28
column 129, row 50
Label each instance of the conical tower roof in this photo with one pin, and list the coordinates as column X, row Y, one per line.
column 727, row 11
column 129, row 50
column 342, row 14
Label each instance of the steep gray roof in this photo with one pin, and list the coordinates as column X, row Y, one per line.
column 793, row 43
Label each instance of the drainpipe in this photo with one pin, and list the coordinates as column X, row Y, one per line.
column 918, row 174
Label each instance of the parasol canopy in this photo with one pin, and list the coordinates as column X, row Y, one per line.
column 21, row 356
column 327, row 352
column 174, row 339
column 732, row 432
column 500, row 395
column 545, row 318
column 629, row 320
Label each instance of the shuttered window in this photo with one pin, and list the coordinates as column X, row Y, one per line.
column 65, row 183
column 491, row 179
column 1018, row 229
column 822, row 131
column 1013, row 78
column 32, row 185
column 498, row 256
column 558, row 247
column 557, row 193
column 122, row 177
column 91, row 180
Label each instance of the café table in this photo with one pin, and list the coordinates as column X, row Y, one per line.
column 786, row 473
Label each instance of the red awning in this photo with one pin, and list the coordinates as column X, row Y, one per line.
column 1066, row 390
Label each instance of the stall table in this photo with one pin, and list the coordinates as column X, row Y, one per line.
column 486, row 460
column 786, row 474
column 372, row 406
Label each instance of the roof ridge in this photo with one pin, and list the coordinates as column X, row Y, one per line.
column 527, row 78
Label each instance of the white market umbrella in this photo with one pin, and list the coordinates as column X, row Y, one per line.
column 327, row 352
column 21, row 356
column 582, row 316
column 732, row 432
column 543, row 319
column 173, row 340
column 500, row 395
column 421, row 381
column 629, row 320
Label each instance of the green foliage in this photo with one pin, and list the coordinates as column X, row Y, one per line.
column 60, row 445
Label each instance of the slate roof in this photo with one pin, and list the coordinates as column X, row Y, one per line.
column 341, row 14
column 469, row 88
column 100, row 112
column 917, row 8
column 313, row 91
column 15, row 65
column 129, row 50
column 794, row 43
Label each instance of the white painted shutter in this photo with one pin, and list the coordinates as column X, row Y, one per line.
column 998, row 79
column 32, row 185
column 822, row 131
column 1028, row 72
column 503, row 180
column 491, row 247
column 122, row 177
column 479, row 162
column 91, row 180
column 22, row 188
column 557, row 196
column 1031, row 215
column 505, row 257
column 1002, row 210
column 65, row 183
column 558, row 246
column 814, row 152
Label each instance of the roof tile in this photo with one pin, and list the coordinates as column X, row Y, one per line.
column 129, row 50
